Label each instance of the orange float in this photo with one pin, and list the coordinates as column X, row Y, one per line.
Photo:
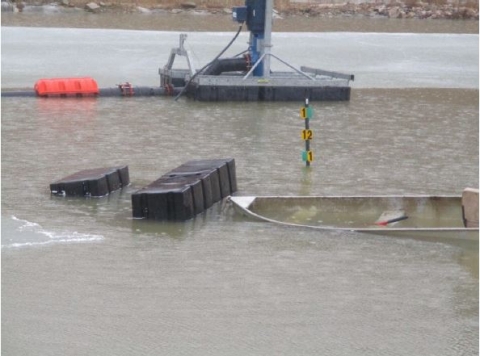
column 66, row 87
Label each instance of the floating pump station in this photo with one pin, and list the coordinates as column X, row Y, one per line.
column 248, row 77
column 245, row 77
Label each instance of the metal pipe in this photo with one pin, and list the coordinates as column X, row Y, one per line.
column 227, row 65
column 327, row 73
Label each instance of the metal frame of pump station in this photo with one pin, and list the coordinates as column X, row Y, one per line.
column 252, row 79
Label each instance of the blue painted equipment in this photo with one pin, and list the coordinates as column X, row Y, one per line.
column 239, row 14
column 253, row 14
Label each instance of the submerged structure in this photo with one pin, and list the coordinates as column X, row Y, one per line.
column 248, row 76
column 427, row 217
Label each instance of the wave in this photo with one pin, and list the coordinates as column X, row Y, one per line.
column 33, row 234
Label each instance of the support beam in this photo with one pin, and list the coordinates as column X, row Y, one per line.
column 327, row 73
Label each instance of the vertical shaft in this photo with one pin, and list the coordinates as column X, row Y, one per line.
column 267, row 40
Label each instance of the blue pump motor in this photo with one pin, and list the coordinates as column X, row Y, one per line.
column 239, row 13
column 253, row 13
column 256, row 16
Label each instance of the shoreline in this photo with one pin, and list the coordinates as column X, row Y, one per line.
column 189, row 21
column 297, row 18
column 406, row 9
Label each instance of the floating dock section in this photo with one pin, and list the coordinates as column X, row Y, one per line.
column 92, row 182
column 186, row 191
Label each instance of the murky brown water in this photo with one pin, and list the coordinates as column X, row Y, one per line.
column 82, row 277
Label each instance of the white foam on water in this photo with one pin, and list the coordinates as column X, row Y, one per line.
column 32, row 234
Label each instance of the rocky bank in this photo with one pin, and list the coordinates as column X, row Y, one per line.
column 417, row 9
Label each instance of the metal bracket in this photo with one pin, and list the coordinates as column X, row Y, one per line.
column 181, row 51
column 327, row 73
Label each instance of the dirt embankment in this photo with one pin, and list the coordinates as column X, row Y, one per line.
column 421, row 9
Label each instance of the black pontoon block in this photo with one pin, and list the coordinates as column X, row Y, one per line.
column 92, row 182
column 268, row 93
column 186, row 190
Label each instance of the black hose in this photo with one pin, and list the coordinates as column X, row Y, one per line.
column 210, row 63
column 137, row 91
column 102, row 92
column 227, row 65
column 12, row 94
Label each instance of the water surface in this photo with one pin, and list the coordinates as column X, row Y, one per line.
column 80, row 276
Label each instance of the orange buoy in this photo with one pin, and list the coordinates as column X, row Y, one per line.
column 66, row 87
